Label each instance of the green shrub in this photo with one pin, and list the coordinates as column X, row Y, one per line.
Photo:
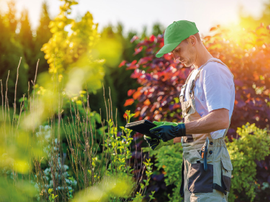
column 252, row 145
column 170, row 159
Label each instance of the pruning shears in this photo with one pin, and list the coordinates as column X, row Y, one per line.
column 204, row 153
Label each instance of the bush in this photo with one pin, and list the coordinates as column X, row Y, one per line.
column 253, row 145
column 169, row 158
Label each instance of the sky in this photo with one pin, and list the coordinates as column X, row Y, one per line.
column 135, row 14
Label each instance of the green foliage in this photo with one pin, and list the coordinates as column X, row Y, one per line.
column 19, row 190
column 118, row 149
column 52, row 196
column 143, row 185
column 11, row 51
column 110, row 188
column 138, row 197
column 112, row 175
column 56, row 171
column 169, row 158
column 252, row 145
column 148, row 172
column 249, row 22
column 116, row 79
column 11, row 17
column 72, row 49
column 42, row 36
column 26, row 40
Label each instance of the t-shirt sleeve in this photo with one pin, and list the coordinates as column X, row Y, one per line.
column 217, row 86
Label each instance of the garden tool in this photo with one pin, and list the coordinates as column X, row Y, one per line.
column 204, row 153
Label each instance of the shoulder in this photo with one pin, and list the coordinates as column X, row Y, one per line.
column 216, row 69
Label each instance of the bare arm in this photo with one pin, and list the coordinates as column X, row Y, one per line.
column 215, row 120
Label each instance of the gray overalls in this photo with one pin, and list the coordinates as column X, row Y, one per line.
column 199, row 185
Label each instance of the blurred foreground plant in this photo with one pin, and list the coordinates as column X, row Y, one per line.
column 111, row 188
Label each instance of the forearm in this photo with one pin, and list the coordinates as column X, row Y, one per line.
column 215, row 120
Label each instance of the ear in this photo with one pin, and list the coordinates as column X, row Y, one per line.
column 193, row 40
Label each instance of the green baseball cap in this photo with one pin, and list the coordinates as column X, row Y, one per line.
column 175, row 33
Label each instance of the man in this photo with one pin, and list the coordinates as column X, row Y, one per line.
column 207, row 101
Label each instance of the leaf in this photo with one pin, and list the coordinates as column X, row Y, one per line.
column 212, row 29
column 147, row 102
column 137, row 113
column 168, row 56
column 137, row 50
column 158, row 117
column 122, row 63
column 152, row 38
column 145, row 60
column 129, row 102
column 130, row 92
column 142, row 113
column 137, row 94
column 132, row 65
column 207, row 38
column 134, row 38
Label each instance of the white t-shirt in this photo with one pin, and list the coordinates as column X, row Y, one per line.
column 214, row 89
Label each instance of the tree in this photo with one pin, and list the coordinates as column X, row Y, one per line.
column 11, row 16
column 43, row 35
column 251, row 23
column 11, row 51
column 25, row 38
column 157, row 29
column 116, row 78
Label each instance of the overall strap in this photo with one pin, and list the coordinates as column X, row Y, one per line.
column 184, row 87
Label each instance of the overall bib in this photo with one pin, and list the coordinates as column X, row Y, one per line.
column 198, row 185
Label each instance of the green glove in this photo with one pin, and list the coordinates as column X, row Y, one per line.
column 168, row 130
column 165, row 123
column 156, row 143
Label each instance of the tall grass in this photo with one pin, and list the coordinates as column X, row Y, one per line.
column 70, row 150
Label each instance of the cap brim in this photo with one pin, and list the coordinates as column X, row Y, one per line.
column 166, row 49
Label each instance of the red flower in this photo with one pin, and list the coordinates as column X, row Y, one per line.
column 125, row 115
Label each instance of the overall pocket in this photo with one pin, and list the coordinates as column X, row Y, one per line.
column 199, row 180
column 226, row 174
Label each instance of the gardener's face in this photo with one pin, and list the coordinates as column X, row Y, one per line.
column 185, row 52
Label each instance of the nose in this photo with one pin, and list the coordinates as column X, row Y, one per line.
column 175, row 56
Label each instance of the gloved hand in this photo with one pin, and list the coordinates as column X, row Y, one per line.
column 168, row 130
column 152, row 142
column 156, row 143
